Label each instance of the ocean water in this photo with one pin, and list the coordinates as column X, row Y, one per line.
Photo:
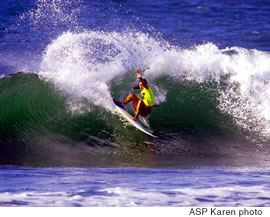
column 63, row 144
column 134, row 187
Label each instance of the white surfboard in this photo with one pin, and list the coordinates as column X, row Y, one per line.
column 128, row 116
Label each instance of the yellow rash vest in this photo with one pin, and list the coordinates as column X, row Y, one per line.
column 148, row 96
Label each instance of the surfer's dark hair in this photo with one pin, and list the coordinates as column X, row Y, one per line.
column 144, row 80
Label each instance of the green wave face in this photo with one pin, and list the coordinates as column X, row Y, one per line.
column 36, row 120
column 27, row 106
column 31, row 105
column 39, row 127
column 189, row 105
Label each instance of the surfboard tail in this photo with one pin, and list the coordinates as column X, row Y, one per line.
column 119, row 104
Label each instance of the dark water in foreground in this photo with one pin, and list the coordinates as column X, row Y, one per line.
column 208, row 64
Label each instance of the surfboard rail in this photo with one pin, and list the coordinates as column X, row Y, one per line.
column 120, row 108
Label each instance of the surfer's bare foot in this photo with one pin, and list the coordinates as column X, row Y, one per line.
column 135, row 119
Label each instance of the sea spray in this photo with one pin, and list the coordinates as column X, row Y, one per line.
column 84, row 60
column 213, row 101
column 85, row 64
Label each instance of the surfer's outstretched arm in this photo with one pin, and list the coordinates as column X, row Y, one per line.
column 143, row 81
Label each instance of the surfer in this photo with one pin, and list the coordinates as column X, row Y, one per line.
column 144, row 105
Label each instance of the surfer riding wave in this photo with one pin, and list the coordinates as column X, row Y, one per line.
column 144, row 105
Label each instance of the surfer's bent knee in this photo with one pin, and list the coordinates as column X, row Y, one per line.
column 132, row 95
